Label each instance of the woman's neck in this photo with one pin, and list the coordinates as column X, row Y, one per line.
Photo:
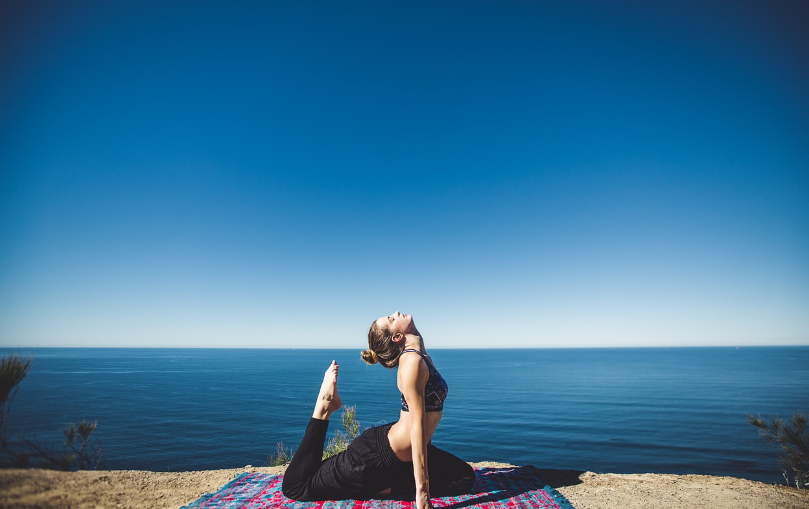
column 414, row 342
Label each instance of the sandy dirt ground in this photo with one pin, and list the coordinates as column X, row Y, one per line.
column 586, row 490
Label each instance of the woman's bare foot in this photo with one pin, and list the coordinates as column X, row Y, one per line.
column 328, row 401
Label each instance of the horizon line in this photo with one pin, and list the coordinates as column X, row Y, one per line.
column 666, row 347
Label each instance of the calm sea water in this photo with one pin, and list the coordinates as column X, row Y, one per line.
column 678, row 410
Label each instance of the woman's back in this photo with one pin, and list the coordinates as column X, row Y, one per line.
column 400, row 433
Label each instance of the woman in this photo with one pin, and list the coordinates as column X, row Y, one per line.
column 395, row 460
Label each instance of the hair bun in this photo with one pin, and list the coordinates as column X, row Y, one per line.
column 369, row 356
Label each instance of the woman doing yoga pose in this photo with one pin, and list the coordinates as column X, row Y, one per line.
column 396, row 460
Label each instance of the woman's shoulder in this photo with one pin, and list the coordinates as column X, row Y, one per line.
column 411, row 362
column 414, row 356
column 422, row 354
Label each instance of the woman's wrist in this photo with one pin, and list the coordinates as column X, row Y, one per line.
column 423, row 488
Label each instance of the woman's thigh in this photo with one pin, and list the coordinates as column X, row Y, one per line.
column 449, row 474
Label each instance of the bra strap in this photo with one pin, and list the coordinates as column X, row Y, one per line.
column 423, row 357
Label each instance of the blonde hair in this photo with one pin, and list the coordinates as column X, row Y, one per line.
column 382, row 348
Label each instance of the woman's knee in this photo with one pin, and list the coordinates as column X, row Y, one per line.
column 460, row 482
column 467, row 479
column 292, row 490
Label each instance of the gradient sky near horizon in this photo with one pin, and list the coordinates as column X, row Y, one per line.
column 514, row 174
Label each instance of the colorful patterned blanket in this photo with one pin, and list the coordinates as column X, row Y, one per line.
column 495, row 488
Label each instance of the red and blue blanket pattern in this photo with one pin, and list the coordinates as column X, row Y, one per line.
column 495, row 488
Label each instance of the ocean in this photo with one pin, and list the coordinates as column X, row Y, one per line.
column 622, row 410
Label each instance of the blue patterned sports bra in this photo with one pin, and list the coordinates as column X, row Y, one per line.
column 435, row 392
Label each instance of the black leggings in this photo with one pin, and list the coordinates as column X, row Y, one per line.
column 367, row 467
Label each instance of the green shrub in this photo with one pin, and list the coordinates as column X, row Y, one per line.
column 792, row 437
column 341, row 439
column 77, row 452
column 281, row 456
column 13, row 369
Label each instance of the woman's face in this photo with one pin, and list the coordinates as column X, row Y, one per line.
column 397, row 322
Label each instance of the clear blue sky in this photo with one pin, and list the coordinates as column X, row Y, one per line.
column 514, row 174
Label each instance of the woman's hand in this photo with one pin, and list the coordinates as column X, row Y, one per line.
column 423, row 499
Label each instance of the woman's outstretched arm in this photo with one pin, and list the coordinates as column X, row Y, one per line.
column 415, row 374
